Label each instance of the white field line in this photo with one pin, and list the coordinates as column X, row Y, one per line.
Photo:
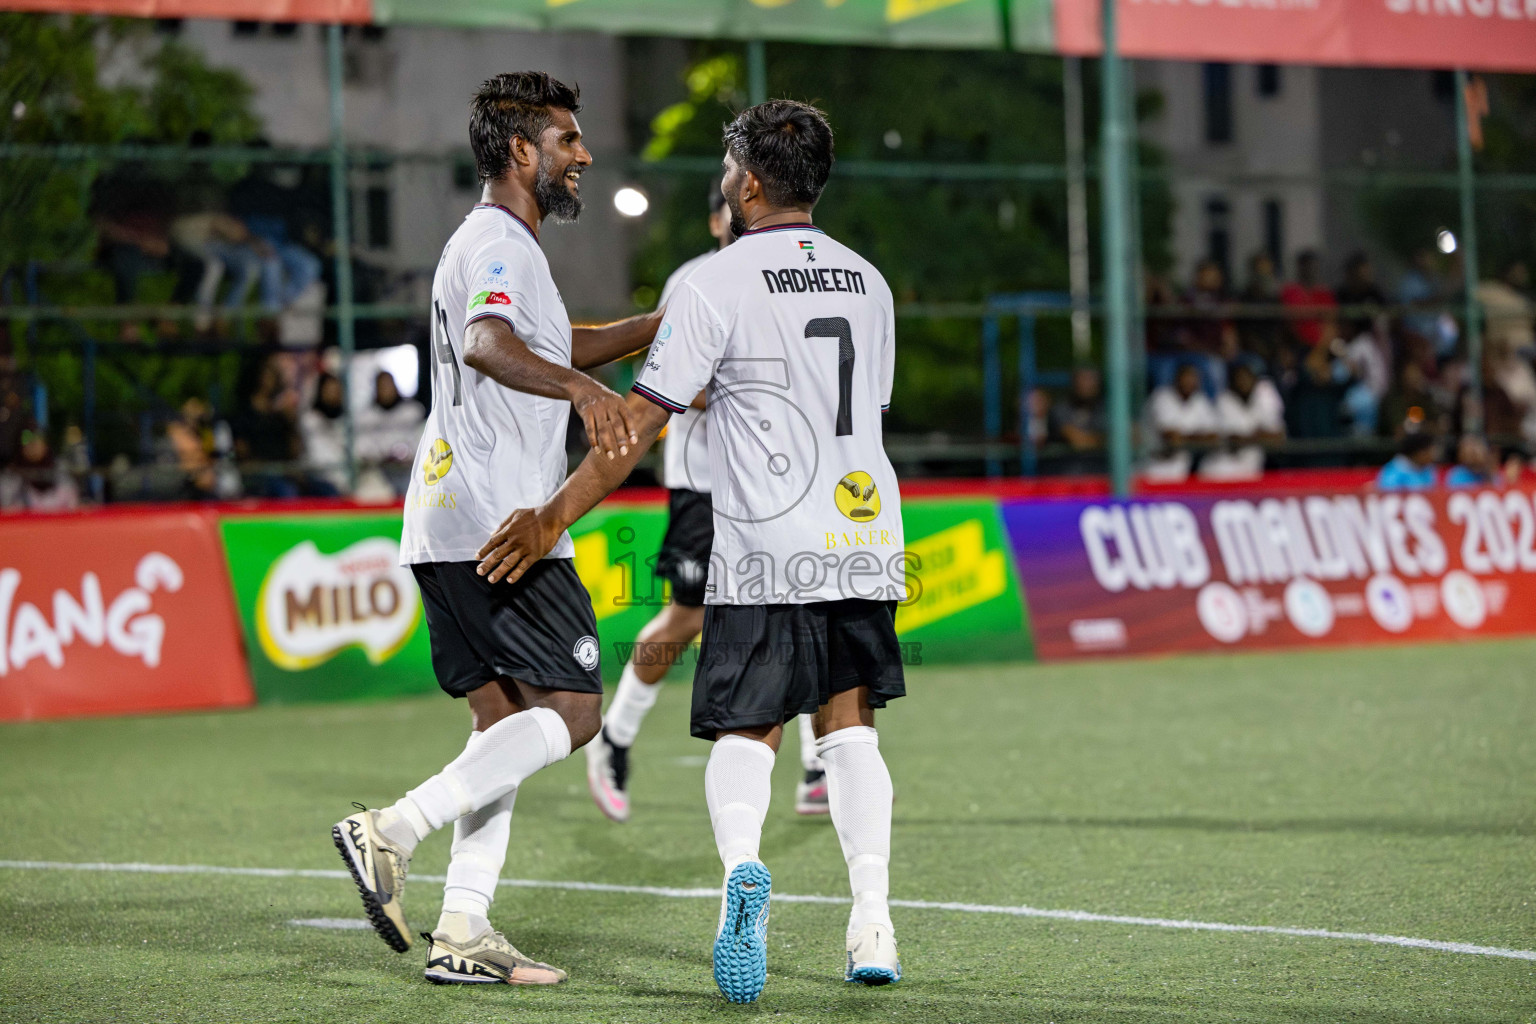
column 714, row 894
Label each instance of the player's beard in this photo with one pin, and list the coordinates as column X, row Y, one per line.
column 551, row 192
column 738, row 222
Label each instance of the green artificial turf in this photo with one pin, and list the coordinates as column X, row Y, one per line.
column 1389, row 790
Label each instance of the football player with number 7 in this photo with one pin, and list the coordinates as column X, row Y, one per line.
column 792, row 337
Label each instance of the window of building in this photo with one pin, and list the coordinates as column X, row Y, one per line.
column 1218, row 235
column 379, row 228
column 1218, row 103
column 245, row 28
column 1267, row 80
column 1274, row 231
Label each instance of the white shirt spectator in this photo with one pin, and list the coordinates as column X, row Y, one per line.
column 1262, row 413
column 325, row 447
column 390, row 435
column 1170, row 412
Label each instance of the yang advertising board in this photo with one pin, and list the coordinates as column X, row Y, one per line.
column 116, row 615
column 1193, row 573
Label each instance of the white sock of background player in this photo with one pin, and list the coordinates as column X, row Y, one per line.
column 490, row 767
column 631, row 701
column 808, row 759
column 859, row 792
column 738, row 780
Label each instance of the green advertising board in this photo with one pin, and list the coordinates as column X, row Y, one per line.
column 970, row 24
column 327, row 611
column 329, row 614
column 964, row 599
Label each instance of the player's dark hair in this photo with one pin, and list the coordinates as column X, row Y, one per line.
column 1414, row 444
column 788, row 145
column 516, row 104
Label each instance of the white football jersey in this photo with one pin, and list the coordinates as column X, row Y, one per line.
column 487, row 450
column 794, row 335
column 685, row 451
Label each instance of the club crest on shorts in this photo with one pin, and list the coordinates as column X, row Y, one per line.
column 585, row 652
column 438, row 462
column 857, row 497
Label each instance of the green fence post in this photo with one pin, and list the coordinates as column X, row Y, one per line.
column 1474, row 419
column 757, row 72
column 1117, row 319
column 341, row 229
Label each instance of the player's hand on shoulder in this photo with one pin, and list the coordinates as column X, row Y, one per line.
column 521, row 540
column 606, row 417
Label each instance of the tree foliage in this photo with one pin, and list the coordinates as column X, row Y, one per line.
column 52, row 90
column 936, row 241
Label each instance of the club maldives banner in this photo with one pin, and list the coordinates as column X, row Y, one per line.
column 1485, row 35
column 1188, row 573
column 116, row 615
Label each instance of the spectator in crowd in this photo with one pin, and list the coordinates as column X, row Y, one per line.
column 266, row 433
column 1248, row 414
column 131, row 215
column 1078, row 419
column 1359, row 288
column 200, row 446
column 1413, row 467
column 222, row 246
column 34, row 480
column 389, row 431
column 1508, row 314
column 1412, row 406
column 1368, row 357
column 1308, row 292
column 1207, row 336
column 1261, row 336
column 1512, row 463
column 1474, row 464
column 1423, row 287
column 1179, row 417
column 323, row 430
column 1315, row 404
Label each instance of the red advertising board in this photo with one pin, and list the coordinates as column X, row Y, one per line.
column 1485, row 35
column 116, row 615
column 349, row 11
column 1235, row 571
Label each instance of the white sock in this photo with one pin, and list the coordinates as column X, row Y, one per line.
column 738, row 780
column 489, row 768
column 630, row 703
column 859, row 791
column 808, row 759
column 479, row 850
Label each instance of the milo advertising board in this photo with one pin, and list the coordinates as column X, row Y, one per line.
column 327, row 610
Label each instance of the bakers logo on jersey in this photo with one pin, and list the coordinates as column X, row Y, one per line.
column 438, row 461
column 857, row 497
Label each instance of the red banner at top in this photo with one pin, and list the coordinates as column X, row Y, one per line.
column 1481, row 35
column 350, row 12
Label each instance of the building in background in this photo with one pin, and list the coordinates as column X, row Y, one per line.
column 407, row 91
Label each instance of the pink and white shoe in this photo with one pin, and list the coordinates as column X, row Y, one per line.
column 608, row 776
column 811, row 794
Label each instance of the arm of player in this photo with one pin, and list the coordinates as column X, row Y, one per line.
column 491, row 348
column 597, row 345
column 527, row 535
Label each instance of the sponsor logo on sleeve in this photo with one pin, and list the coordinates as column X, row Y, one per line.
column 490, row 299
